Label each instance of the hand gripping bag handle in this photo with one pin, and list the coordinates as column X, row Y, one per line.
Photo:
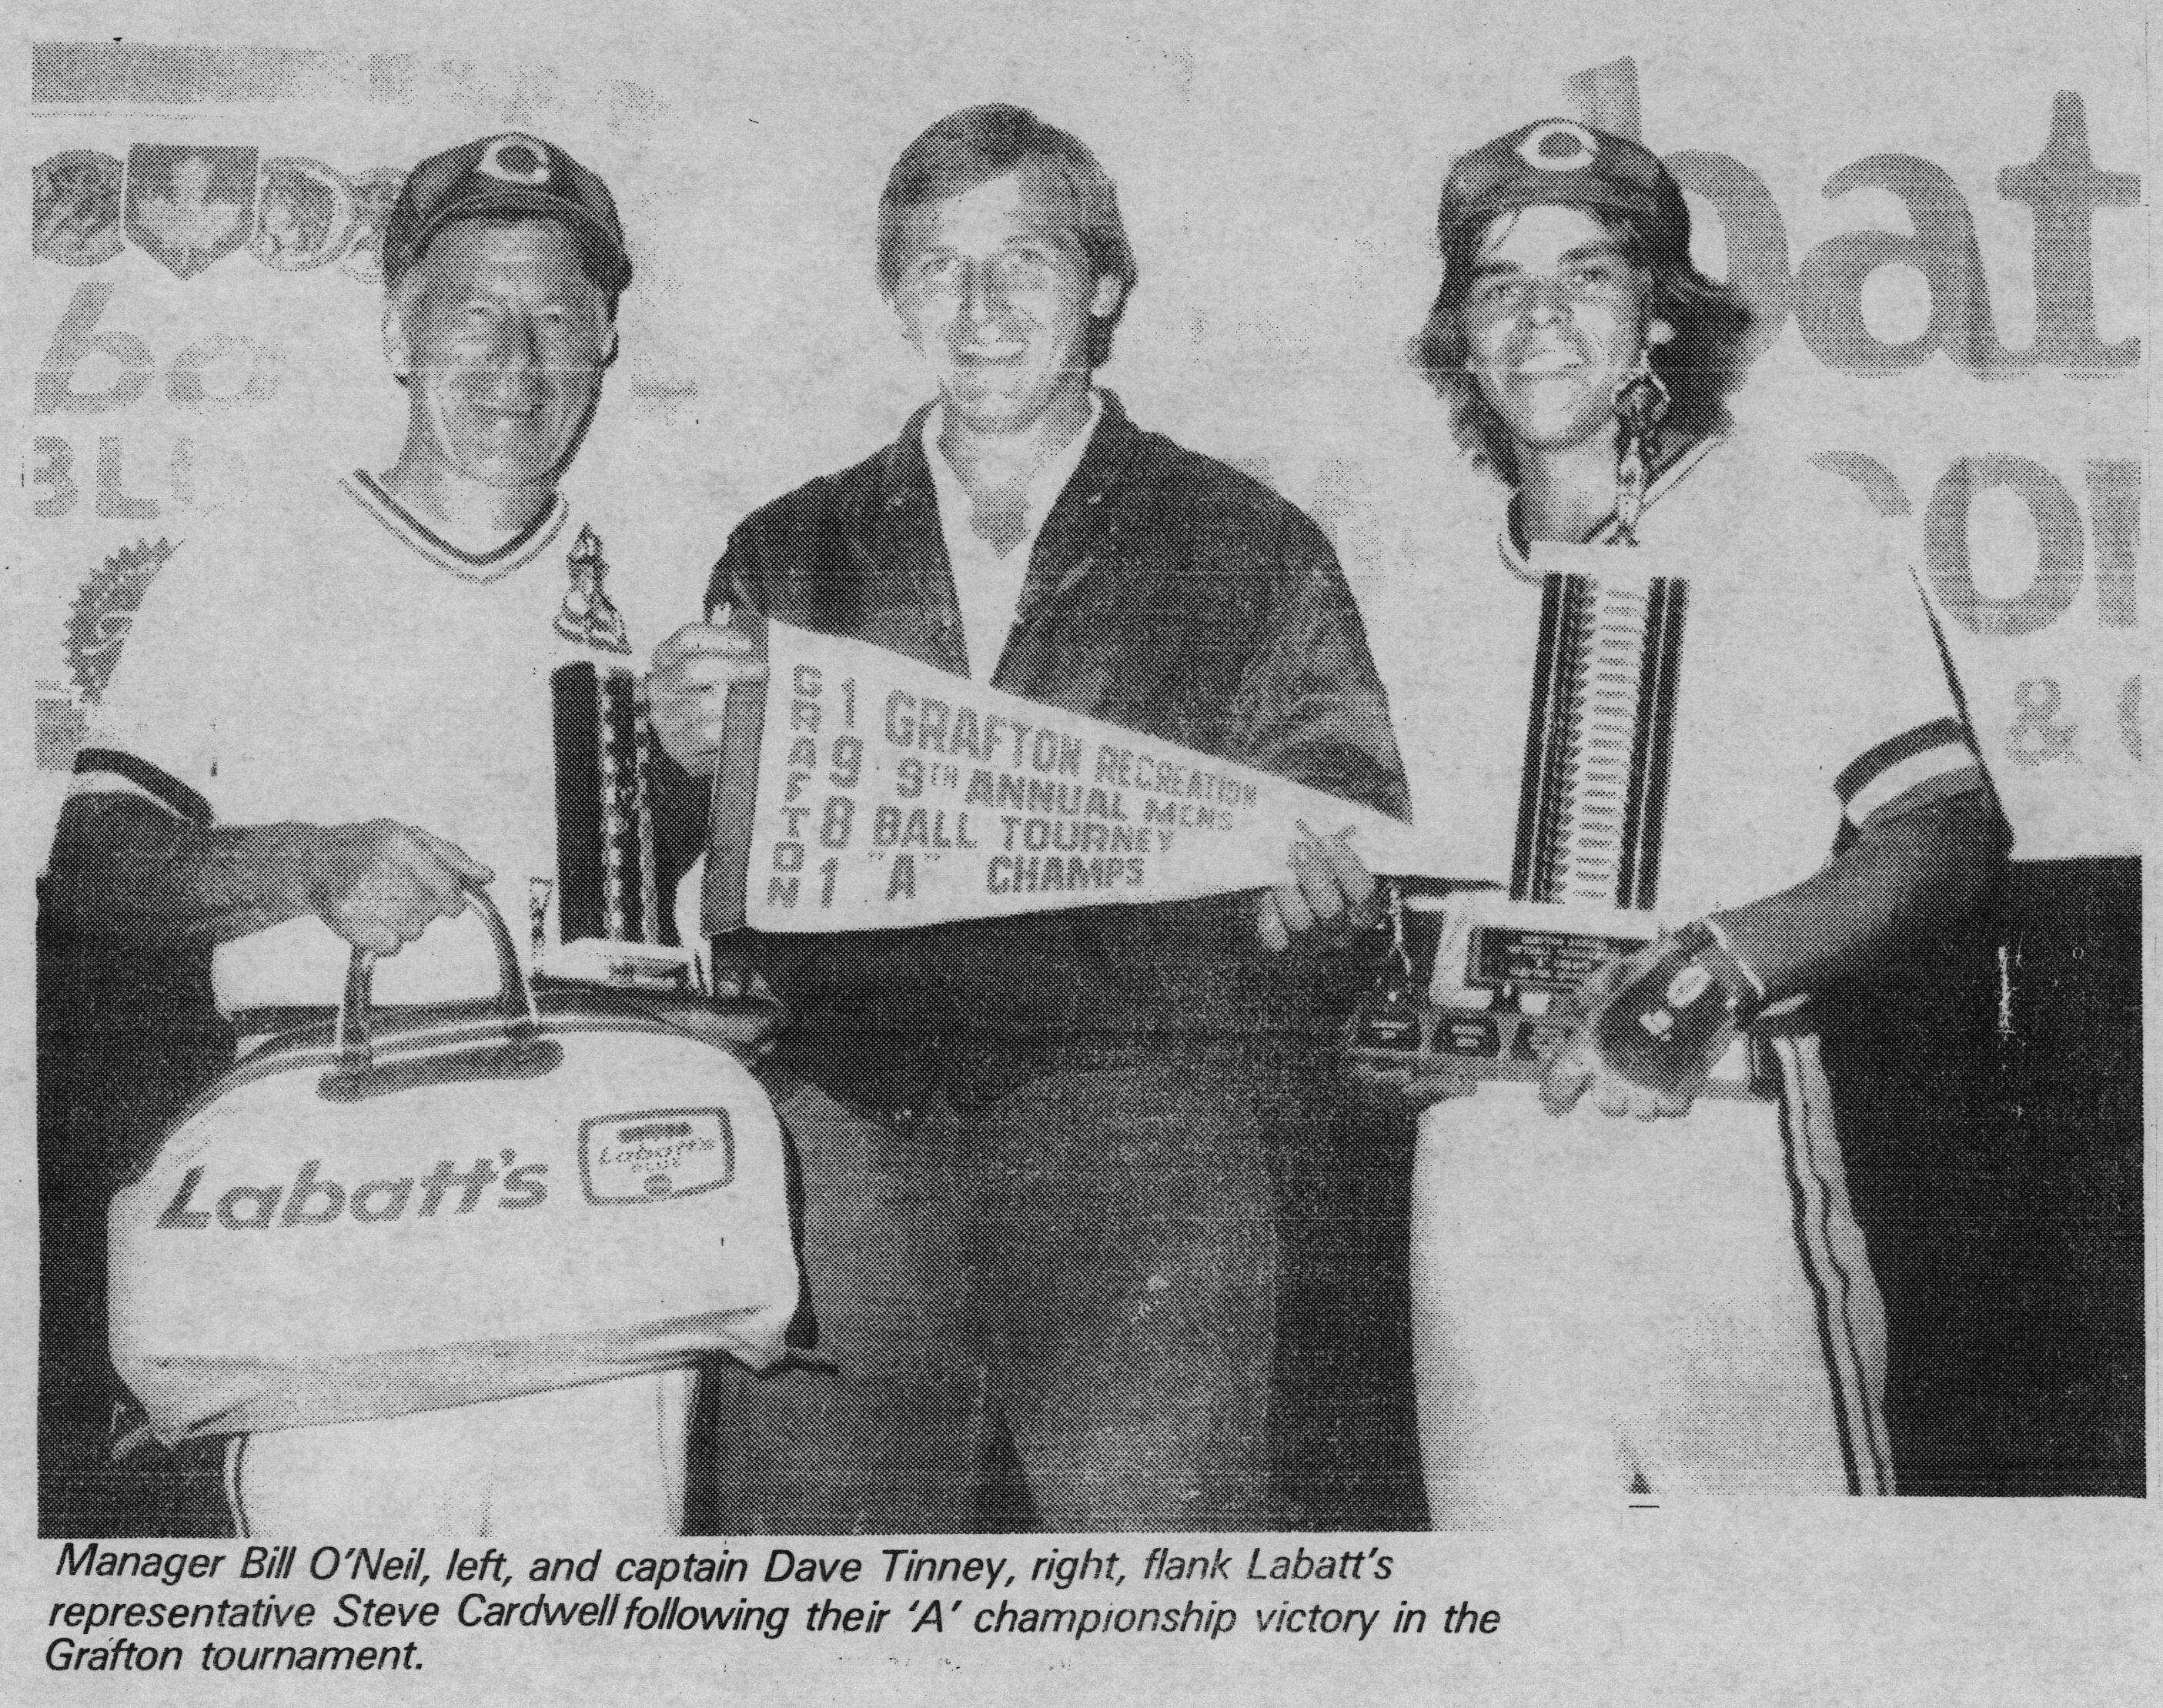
column 523, row 1054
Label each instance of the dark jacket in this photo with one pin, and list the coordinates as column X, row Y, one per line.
column 1167, row 593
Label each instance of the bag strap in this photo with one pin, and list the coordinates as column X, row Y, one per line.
column 514, row 997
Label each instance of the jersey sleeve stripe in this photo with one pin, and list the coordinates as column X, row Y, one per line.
column 1937, row 733
column 1915, row 782
column 166, row 790
column 1862, row 774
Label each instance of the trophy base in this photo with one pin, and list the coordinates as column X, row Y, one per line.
column 1483, row 1014
column 1470, row 1043
column 620, row 966
column 1488, row 1044
column 1484, row 944
column 745, row 1025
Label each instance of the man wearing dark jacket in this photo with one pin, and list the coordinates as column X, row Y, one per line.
column 1074, row 1111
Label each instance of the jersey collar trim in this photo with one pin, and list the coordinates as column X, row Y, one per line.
column 367, row 492
column 1516, row 555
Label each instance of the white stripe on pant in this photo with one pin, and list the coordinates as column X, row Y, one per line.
column 1603, row 1307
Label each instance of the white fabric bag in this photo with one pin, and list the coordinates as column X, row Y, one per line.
column 423, row 1207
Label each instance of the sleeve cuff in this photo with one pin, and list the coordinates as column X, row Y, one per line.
column 1927, row 763
column 143, row 777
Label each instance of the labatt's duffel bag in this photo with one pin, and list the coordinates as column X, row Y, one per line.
column 421, row 1207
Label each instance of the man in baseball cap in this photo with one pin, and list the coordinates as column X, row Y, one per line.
column 506, row 177
column 1741, row 753
column 1691, row 337
column 1561, row 163
column 329, row 730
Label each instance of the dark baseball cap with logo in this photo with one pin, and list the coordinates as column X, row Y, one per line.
column 1558, row 163
column 512, row 176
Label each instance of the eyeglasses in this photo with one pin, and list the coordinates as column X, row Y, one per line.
column 1503, row 295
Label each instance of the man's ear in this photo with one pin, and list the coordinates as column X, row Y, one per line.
column 1110, row 292
column 395, row 349
column 615, row 349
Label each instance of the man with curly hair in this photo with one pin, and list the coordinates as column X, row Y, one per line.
column 1740, row 736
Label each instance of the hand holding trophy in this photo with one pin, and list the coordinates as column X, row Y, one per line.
column 691, row 688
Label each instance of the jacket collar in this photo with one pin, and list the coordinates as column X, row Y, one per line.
column 1086, row 521
column 905, row 476
column 1088, row 518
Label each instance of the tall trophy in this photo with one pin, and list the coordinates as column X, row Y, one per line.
column 1585, row 876
column 612, row 927
column 1473, row 971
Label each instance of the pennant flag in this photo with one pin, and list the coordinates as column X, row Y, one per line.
column 892, row 793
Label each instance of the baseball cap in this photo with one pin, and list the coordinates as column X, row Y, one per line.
column 1558, row 163
column 509, row 174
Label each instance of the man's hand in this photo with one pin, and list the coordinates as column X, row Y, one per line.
column 380, row 884
column 1328, row 883
column 688, row 690
column 1645, row 1032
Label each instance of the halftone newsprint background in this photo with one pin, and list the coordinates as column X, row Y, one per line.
column 1940, row 215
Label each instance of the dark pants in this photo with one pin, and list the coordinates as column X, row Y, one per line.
column 879, row 1429
column 1062, row 1312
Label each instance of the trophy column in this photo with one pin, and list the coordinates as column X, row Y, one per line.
column 608, row 900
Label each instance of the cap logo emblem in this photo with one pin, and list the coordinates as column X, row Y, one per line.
column 1560, row 147
column 516, row 159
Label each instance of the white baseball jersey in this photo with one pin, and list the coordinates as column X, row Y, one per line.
column 1601, row 1304
column 1811, row 687
column 341, row 662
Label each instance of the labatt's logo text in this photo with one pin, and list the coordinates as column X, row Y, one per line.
column 654, row 1153
column 310, row 1201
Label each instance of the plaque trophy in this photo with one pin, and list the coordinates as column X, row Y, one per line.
column 1473, row 971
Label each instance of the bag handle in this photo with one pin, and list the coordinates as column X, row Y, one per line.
column 522, row 1019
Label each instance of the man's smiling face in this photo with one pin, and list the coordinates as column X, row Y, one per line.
column 996, row 293
column 504, row 337
column 1553, row 319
